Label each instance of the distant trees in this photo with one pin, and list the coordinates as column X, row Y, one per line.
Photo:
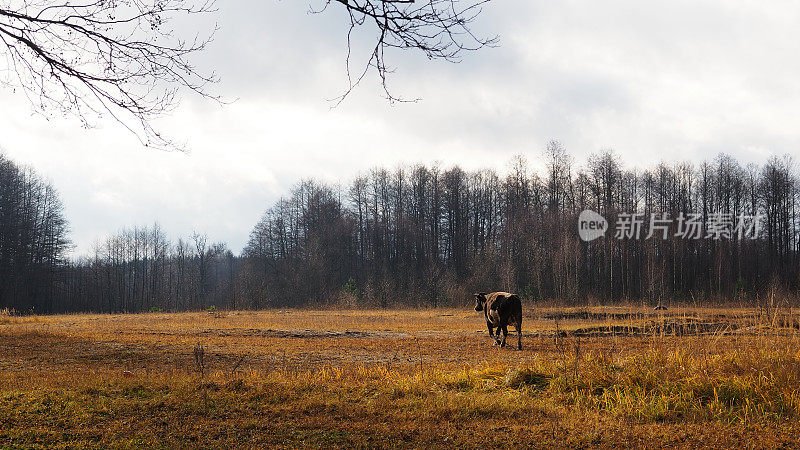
column 303, row 249
column 139, row 269
column 424, row 236
column 429, row 236
column 33, row 240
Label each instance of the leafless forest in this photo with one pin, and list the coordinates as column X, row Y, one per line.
column 425, row 236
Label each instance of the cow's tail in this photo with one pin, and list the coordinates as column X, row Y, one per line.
column 516, row 306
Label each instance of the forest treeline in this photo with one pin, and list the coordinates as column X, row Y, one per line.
column 33, row 239
column 431, row 236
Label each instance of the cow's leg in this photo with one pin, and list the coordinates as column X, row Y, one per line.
column 505, row 334
column 518, row 326
column 491, row 332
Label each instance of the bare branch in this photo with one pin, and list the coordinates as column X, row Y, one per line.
column 440, row 29
column 95, row 57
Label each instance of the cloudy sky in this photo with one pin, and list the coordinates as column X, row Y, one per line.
column 677, row 80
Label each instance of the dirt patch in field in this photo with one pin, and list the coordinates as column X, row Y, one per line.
column 290, row 333
column 597, row 316
column 671, row 327
column 630, row 316
column 255, row 333
column 668, row 327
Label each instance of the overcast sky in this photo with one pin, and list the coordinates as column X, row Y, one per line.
column 673, row 81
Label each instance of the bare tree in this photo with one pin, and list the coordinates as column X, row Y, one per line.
column 440, row 29
column 92, row 58
column 423, row 236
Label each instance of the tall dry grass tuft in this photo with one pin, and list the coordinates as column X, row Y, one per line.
column 9, row 316
column 199, row 359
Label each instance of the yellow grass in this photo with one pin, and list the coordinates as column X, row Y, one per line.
column 416, row 378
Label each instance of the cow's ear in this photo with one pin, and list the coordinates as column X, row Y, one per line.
column 480, row 295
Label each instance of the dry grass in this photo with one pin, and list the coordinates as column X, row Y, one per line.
column 421, row 378
column 8, row 317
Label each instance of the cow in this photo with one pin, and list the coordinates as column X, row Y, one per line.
column 500, row 309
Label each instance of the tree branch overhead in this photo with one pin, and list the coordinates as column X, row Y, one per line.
column 440, row 29
column 119, row 58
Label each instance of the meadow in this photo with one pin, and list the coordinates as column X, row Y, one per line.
column 586, row 377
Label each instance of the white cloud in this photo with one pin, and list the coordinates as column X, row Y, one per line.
column 656, row 81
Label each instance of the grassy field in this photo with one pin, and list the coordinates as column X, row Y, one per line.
column 587, row 377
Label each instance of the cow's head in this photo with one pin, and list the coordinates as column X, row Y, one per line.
column 480, row 300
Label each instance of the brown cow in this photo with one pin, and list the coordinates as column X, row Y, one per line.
column 500, row 309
